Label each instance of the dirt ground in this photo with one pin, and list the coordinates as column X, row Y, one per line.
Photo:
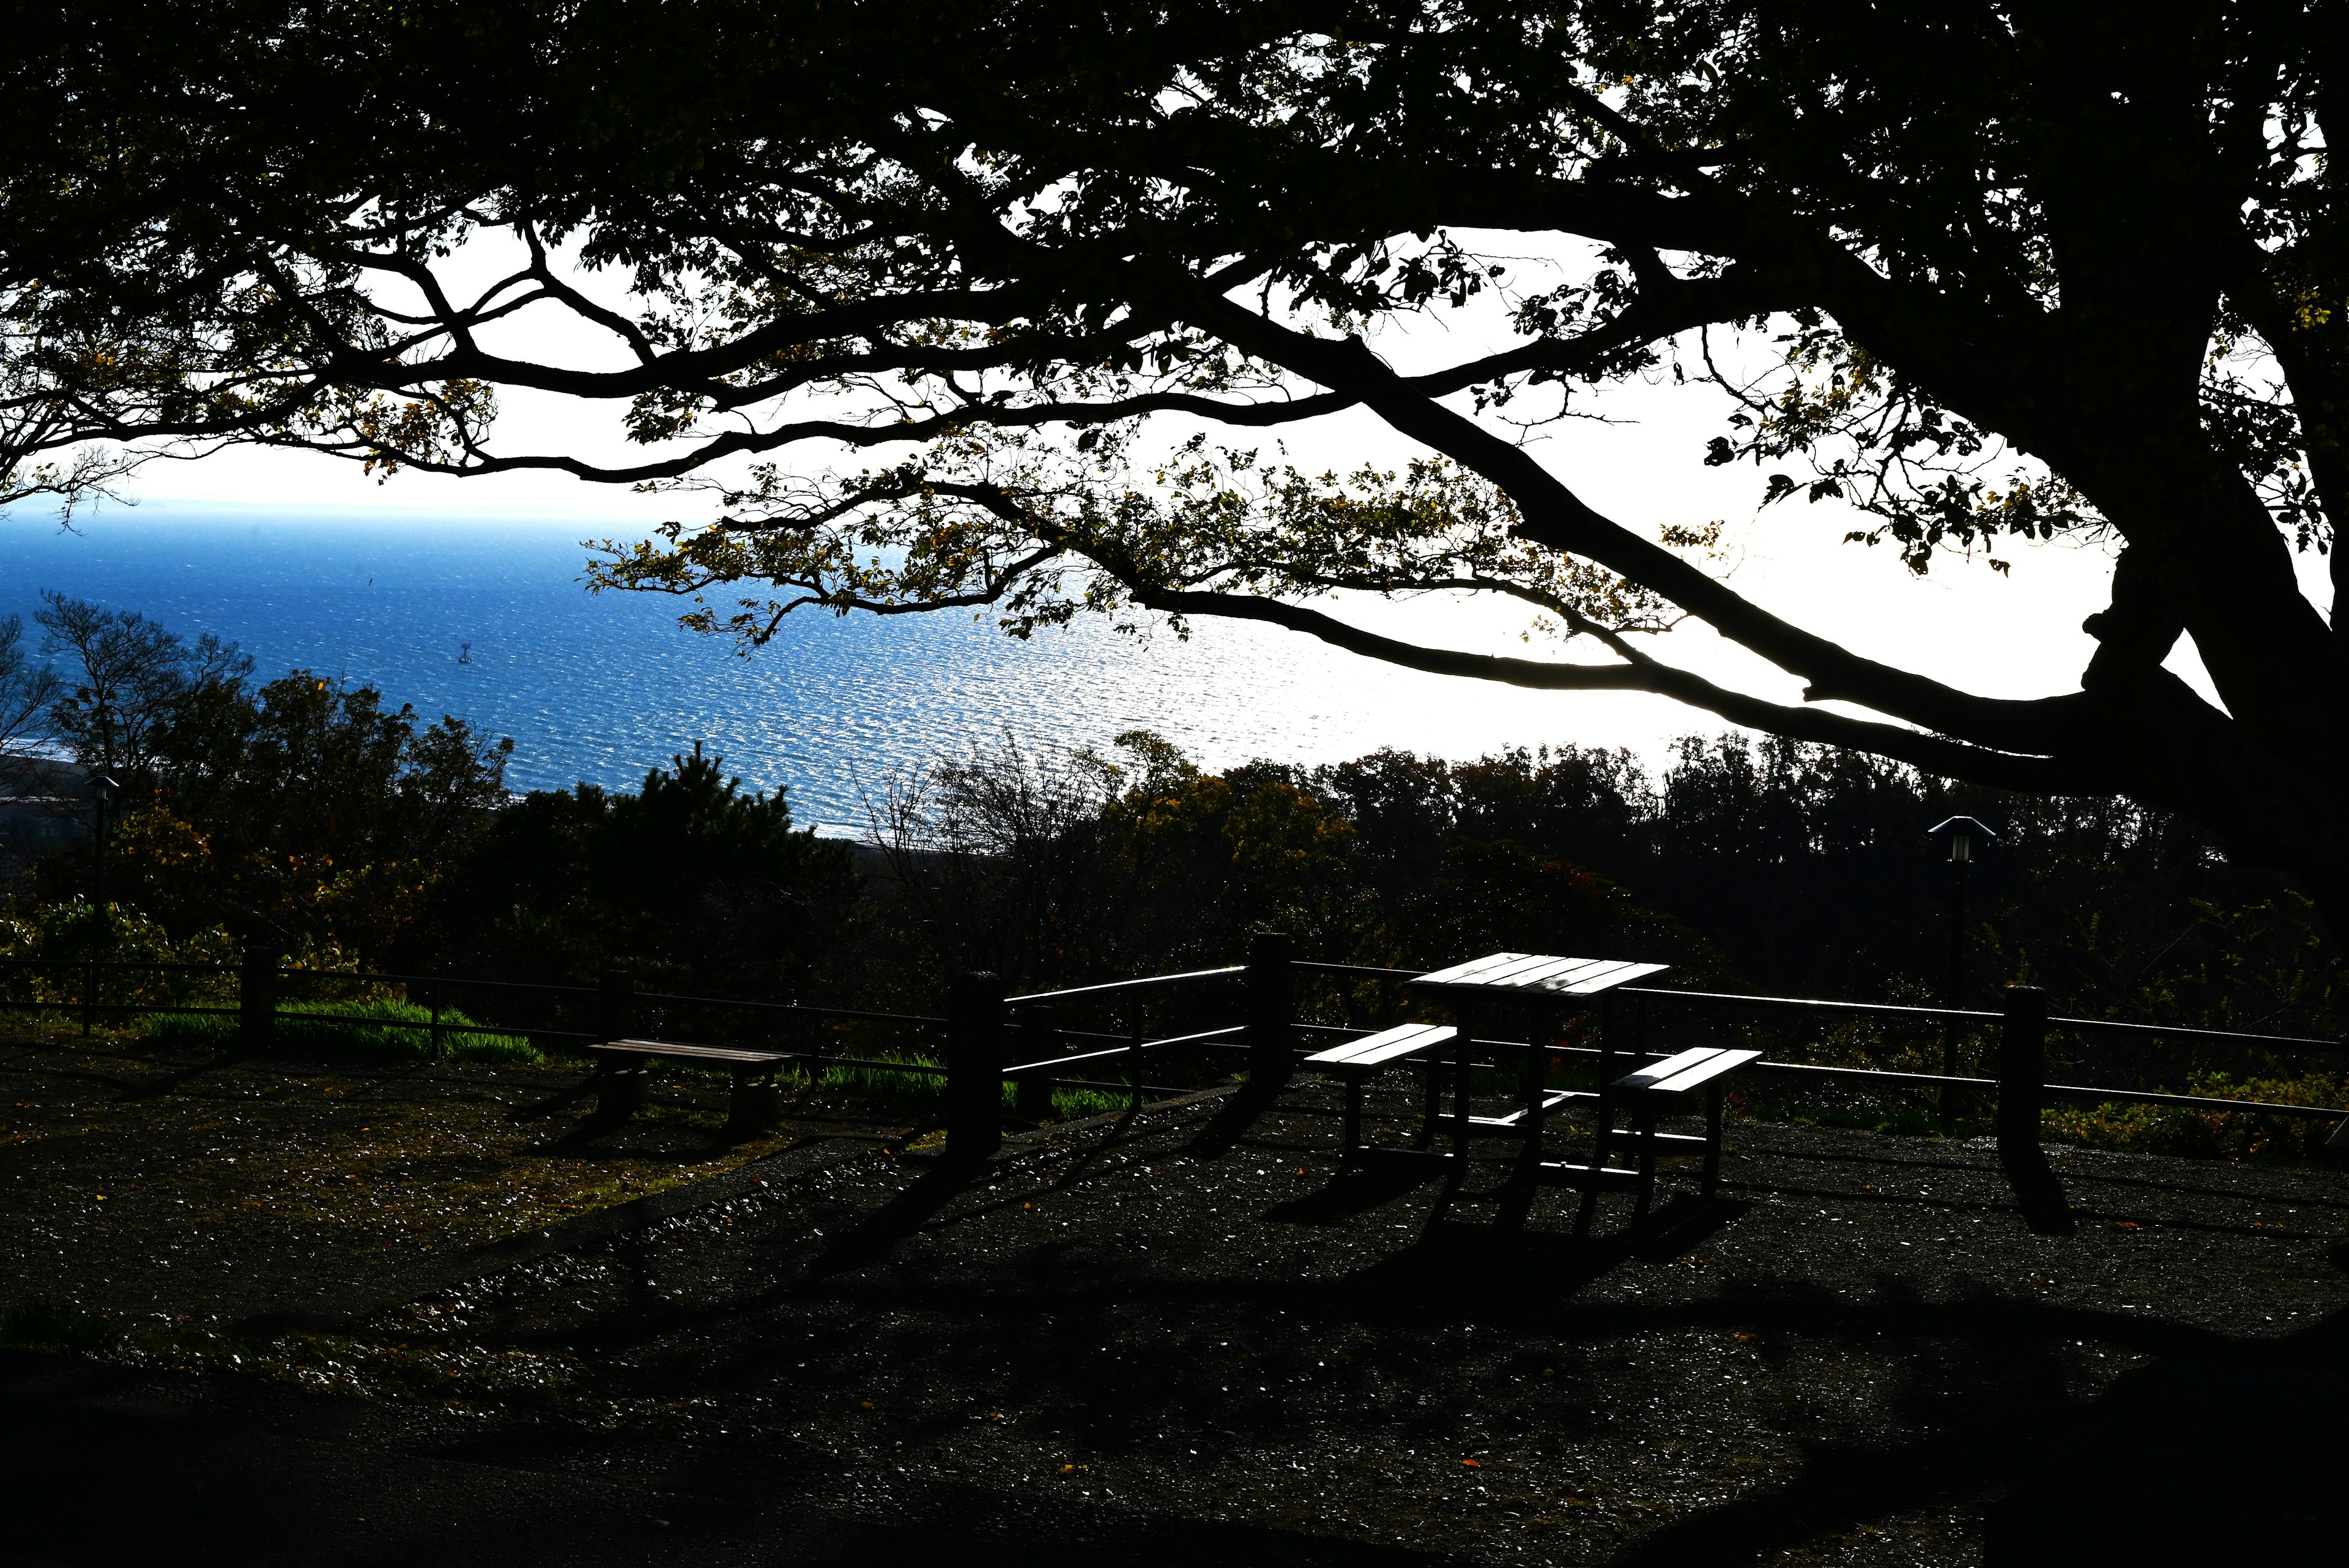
column 1193, row 1327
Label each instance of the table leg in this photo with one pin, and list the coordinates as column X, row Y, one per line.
column 1354, row 1134
column 1432, row 1077
column 1536, row 1084
column 1461, row 1071
column 1712, row 1137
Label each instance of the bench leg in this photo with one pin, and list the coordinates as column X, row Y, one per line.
column 1353, row 1133
column 619, row 1087
column 757, row 1105
column 1712, row 1137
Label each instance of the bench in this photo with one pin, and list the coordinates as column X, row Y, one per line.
column 1663, row 1088
column 620, row 1074
column 1357, row 1062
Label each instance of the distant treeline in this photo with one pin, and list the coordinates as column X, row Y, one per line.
column 1776, row 866
column 314, row 816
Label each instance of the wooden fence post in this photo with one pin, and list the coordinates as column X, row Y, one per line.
column 1038, row 1037
column 256, row 998
column 2022, row 1080
column 974, row 1067
column 1272, row 1057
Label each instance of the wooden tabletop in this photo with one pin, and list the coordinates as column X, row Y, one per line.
column 1538, row 975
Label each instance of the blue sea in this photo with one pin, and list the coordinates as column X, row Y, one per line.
column 485, row 618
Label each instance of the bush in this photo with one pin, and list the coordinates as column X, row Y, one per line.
column 371, row 1028
column 2201, row 1134
column 58, row 936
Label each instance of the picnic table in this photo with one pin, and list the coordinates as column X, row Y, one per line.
column 1543, row 991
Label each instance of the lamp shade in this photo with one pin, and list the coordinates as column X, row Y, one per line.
column 1962, row 831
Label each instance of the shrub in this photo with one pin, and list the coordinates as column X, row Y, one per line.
column 2197, row 1133
column 59, row 937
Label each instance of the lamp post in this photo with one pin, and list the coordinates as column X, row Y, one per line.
column 102, row 791
column 1963, row 833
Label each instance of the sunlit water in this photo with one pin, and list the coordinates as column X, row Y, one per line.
column 603, row 688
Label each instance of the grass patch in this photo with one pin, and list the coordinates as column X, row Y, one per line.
column 883, row 1083
column 370, row 1027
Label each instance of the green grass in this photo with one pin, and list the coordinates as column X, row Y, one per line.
column 882, row 1083
column 363, row 1026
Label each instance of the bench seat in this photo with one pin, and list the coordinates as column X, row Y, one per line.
column 1690, row 1071
column 1358, row 1061
column 620, row 1067
column 1374, row 1051
column 1661, row 1089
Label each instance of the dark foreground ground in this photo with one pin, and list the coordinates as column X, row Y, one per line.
column 1180, row 1338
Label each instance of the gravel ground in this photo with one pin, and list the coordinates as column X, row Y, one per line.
column 141, row 1179
column 1858, row 1353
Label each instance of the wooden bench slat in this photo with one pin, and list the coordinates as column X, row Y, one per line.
column 1387, row 1046
column 1691, row 1069
column 684, row 1053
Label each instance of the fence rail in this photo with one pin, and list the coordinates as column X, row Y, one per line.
column 979, row 1018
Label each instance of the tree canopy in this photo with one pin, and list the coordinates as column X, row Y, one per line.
column 992, row 306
